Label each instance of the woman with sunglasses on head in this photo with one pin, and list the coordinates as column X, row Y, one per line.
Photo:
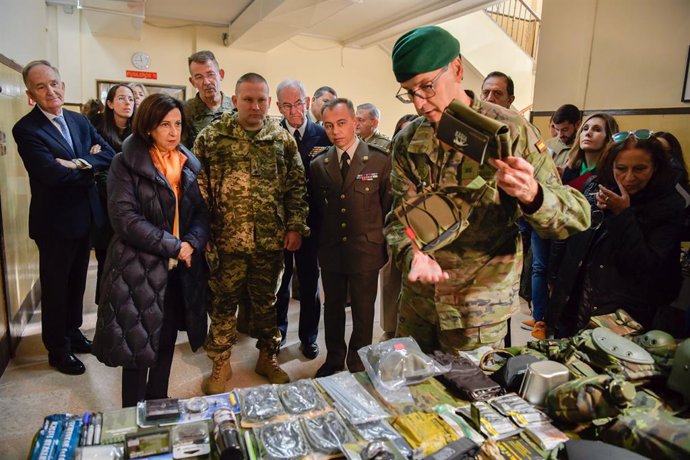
column 629, row 257
column 155, row 279
column 591, row 139
column 115, row 125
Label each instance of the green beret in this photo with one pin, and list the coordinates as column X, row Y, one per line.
column 422, row 50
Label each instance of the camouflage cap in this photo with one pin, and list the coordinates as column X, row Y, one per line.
column 422, row 50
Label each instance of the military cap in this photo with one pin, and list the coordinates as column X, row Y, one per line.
column 422, row 50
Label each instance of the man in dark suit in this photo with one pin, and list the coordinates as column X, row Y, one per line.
column 351, row 184
column 60, row 150
column 311, row 139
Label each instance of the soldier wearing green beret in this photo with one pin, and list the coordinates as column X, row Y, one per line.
column 254, row 183
column 461, row 297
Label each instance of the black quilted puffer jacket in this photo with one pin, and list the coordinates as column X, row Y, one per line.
column 141, row 206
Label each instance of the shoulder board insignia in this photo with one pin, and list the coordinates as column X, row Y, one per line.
column 540, row 145
column 379, row 148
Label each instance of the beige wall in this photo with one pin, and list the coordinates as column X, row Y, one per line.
column 362, row 75
column 612, row 54
column 23, row 27
column 20, row 251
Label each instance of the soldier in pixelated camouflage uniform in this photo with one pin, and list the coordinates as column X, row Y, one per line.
column 253, row 181
column 463, row 296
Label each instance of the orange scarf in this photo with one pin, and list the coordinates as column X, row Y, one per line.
column 170, row 164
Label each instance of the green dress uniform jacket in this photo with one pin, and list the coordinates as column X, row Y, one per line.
column 379, row 140
column 485, row 261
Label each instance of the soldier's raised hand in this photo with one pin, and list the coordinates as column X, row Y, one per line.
column 516, row 177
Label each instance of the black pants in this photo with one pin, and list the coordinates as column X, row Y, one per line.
column 62, row 267
column 152, row 383
column 309, row 305
column 363, row 288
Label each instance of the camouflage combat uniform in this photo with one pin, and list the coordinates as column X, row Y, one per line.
column 379, row 140
column 199, row 115
column 558, row 150
column 255, row 189
column 484, row 262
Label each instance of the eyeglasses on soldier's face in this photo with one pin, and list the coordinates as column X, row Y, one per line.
column 406, row 96
column 297, row 105
column 639, row 134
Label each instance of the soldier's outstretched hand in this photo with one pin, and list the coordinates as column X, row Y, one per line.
column 293, row 240
column 425, row 269
column 516, row 177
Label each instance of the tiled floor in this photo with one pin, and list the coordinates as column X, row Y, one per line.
column 30, row 389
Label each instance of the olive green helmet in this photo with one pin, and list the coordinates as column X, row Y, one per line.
column 680, row 373
column 655, row 340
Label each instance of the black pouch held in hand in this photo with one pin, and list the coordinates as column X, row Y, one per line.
column 513, row 371
column 466, row 378
column 475, row 135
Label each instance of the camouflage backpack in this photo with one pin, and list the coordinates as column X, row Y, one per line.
column 589, row 398
column 619, row 322
column 656, row 435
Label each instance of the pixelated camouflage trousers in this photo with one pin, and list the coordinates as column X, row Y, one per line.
column 424, row 328
column 236, row 276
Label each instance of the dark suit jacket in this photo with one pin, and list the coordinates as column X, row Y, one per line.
column 313, row 142
column 351, row 214
column 64, row 201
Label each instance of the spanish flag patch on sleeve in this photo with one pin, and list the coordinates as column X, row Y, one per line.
column 540, row 145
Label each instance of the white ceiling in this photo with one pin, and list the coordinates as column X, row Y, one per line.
column 261, row 25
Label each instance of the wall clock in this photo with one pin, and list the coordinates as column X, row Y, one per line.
column 141, row 60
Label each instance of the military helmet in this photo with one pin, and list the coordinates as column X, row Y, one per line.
column 654, row 340
column 679, row 379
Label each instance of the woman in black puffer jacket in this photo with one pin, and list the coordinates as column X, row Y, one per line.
column 155, row 278
column 629, row 258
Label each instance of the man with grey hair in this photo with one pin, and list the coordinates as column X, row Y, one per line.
column 61, row 151
column 321, row 96
column 311, row 139
column 368, row 117
column 209, row 103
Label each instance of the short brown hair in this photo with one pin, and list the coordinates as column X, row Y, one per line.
column 202, row 57
column 151, row 112
column 339, row 100
column 250, row 77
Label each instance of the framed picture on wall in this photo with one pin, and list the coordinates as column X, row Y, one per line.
column 686, row 81
column 176, row 91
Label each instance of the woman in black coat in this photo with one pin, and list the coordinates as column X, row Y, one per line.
column 155, row 276
column 629, row 258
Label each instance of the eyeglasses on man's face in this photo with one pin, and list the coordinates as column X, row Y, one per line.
column 639, row 134
column 406, row 96
column 298, row 105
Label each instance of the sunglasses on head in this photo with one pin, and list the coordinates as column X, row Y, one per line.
column 640, row 134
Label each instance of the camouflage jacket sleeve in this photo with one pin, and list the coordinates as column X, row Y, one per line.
column 295, row 198
column 402, row 187
column 201, row 152
column 564, row 210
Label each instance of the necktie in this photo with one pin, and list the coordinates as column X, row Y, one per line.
column 298, row 137
column 344, row 166
column 60, row 120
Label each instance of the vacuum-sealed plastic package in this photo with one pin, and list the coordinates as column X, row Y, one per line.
column 300, row 397
column 398, row 362
column 259, row 404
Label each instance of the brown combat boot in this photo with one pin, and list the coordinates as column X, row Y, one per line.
column 221, row 373
column 267, row 366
